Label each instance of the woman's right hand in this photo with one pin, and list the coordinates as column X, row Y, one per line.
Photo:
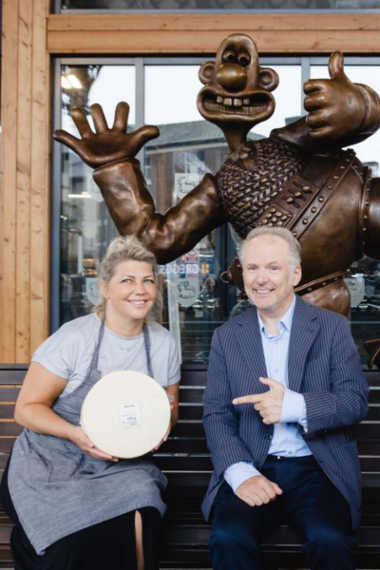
column 85, row 444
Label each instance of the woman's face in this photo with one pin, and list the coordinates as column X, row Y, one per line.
column 131, row 292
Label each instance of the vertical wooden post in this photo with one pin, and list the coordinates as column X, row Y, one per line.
column 25, row 192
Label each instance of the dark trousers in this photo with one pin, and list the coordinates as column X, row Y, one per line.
column 310, row 504
column 109, row 544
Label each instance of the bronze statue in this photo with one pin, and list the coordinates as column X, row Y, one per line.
column 299, row 177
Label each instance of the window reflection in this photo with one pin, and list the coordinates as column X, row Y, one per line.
column 86, row 227
column 197, row 300
column 220, row 5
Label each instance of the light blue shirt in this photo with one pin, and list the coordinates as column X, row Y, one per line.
column 287, row 441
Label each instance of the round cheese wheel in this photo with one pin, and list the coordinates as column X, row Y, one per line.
column 126, row 414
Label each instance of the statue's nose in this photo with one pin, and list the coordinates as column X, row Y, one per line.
column 232, row 77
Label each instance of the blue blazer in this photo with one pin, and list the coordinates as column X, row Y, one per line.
column 324, row 366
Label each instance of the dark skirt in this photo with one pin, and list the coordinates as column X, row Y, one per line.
column 110, row 544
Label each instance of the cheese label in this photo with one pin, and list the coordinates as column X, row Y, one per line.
column 130, row 415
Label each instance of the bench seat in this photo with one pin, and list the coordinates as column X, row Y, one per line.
column 185, row 459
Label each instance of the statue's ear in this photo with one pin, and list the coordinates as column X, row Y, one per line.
column 268, row 79
column 206, row 72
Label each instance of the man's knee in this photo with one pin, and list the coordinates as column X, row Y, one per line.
column 327, row 544
column 229, row 538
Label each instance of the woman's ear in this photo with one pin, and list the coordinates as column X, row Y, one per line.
column 103, row 288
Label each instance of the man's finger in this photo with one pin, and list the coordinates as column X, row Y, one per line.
column 251, row 399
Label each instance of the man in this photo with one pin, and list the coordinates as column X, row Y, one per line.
column 284, row 382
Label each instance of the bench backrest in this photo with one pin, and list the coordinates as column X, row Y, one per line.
column 184, row 457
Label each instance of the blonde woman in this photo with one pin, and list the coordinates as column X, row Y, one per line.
column 75, row 507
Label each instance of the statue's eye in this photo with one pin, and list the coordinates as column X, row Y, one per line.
column 229, row 57
column 244, row 59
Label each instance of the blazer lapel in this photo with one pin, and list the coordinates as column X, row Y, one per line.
column 249, row 340
column 305, row 328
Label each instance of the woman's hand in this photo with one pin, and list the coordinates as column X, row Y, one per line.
column 164, row 438
column 85, row 444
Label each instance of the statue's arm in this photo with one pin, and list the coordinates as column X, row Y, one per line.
column 133, row 210
column 340, row 113
column 111, row 151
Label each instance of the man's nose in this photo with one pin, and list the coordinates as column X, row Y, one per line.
column 261, row 276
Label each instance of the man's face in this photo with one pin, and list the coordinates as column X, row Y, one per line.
column 268, row 276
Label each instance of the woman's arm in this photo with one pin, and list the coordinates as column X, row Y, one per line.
column 173, row 392
column 34, row 411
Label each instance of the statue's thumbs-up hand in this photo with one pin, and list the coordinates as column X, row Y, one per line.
column 105, row 145
column 336, row 106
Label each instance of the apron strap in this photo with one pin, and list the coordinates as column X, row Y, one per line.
column 147, row 349
column 95, row 356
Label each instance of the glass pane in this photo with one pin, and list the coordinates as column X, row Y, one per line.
column 188, row 147
column 220, row 5
column 86, row 227
column 365, row 281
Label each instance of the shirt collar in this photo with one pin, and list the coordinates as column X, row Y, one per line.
column 286, row 321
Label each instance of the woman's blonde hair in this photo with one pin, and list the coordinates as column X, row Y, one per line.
column 124, row 249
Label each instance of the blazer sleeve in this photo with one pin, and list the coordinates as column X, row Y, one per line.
column 346, row 402
column 220, row 418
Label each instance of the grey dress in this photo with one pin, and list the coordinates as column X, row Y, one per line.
column 57, row 489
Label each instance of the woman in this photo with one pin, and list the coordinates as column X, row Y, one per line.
column 74, row 506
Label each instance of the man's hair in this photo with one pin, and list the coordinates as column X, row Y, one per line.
column 283, row 233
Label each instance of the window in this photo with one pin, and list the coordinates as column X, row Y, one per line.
column 163, row 91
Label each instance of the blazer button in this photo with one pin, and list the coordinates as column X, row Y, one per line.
column 268, row 436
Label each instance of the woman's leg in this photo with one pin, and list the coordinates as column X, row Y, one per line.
column 139, row 541
column 23, row 554
column 148, row 534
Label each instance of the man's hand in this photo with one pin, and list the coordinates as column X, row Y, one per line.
column 257, row 491
column 268, row 404
column 106, row 145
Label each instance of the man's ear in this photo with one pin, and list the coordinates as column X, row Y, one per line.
column 297, row 275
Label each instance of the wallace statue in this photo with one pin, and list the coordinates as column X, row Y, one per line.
column 299, row 178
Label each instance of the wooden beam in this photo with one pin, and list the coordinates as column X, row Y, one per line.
column 202, row 33
column 24, row 223
column 9, row 90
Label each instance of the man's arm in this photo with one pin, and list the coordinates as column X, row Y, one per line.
column 220, row 420
column 346, row 403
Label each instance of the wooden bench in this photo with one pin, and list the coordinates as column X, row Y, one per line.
column 186, row 462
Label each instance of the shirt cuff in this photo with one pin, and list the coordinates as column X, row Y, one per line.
column 294, row 409
column 238, row 473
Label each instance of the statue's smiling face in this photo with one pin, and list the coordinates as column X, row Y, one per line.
column 237, row 89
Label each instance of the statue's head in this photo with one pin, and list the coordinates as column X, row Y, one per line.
column 237, row 92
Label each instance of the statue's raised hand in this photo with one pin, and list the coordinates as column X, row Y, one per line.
column 105, row 145
column 337, row 107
